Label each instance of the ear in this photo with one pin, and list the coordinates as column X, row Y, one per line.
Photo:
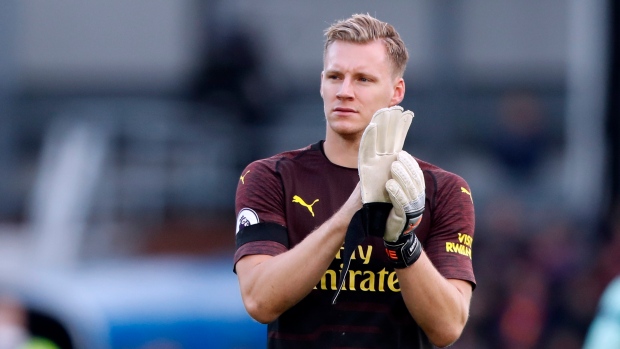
column 398, row 93
column 321, row 88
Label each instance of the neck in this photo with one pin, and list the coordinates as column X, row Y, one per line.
column 342, row 151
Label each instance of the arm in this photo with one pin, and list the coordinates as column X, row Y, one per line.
column 270, row 285
column 439, row 305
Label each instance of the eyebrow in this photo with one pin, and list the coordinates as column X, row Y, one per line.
column 356, row 74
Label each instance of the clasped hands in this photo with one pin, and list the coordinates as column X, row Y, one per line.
column 392, row 185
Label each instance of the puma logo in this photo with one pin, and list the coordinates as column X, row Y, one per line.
column 301, row 201
column 463, row 190
column 242, row 178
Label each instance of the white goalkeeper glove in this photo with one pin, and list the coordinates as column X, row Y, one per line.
column 407, row 194
column 381, row 141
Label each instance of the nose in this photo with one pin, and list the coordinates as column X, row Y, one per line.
column 346, row 89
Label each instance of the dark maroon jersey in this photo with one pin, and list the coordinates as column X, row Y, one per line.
column 282, row 199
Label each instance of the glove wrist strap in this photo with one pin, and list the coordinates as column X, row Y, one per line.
column 405, row 251
column 375, row 215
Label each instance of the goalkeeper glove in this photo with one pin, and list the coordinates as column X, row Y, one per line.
column 381, row 141
column 407, row 194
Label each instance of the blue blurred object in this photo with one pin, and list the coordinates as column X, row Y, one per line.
column 171, row 302
column 604, row 331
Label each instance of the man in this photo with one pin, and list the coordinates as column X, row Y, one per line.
column 294, row 210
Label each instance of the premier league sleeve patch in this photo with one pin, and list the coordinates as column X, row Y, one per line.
column 245, row 218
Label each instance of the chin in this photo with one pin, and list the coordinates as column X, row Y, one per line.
column 346, row 130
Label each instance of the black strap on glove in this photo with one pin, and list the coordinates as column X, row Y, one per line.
column 375, row 215
column 406, row 250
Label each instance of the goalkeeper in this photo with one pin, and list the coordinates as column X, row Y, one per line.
column 352, row 242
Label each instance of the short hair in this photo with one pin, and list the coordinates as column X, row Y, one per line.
column 362, row 29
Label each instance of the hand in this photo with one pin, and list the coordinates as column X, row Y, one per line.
column 382, row 139
column 406, row 190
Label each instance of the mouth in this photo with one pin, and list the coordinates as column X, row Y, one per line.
column 342, row 110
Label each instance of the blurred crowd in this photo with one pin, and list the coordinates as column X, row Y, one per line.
column 540, row 269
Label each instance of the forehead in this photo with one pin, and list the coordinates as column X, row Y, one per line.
column 350, row 56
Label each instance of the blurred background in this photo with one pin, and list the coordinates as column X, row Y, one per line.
column 124, row 127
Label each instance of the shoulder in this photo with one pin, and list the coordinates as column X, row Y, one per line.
column 275, row 161
column 445, row 188
column 265, row 175
column 439, row 177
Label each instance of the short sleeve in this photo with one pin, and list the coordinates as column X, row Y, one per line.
column 260, row 190
column 450, row 243
column 260, row 223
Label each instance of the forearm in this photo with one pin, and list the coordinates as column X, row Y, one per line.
column 271, row 285
column 439, row 306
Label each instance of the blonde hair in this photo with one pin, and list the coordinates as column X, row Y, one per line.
column 362, row 29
